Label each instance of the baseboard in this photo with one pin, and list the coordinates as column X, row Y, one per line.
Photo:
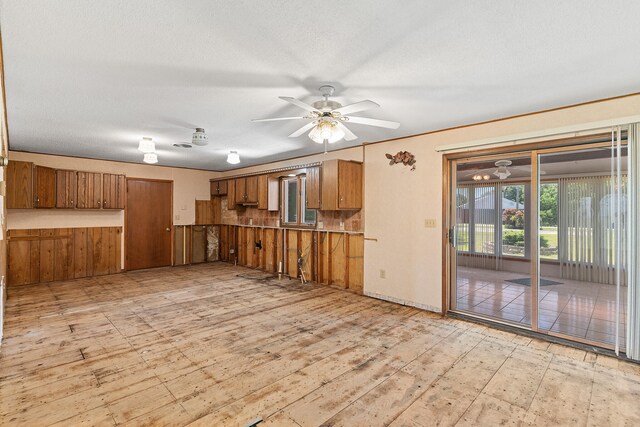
column 403, row 302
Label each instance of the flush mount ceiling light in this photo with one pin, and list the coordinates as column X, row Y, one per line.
column 481, row 177
column 150, row 158
column 200, row 137
column 327, row 118
column 502, row 172
column 146, row 145
column 233, row 158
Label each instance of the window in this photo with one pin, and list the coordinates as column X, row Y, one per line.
column 295, row 211
column 514, row 220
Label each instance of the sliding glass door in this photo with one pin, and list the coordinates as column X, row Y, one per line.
column 537, row 240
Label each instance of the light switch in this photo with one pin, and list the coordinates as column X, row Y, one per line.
column 177, row 217
column 430, row 223
column 342, row 225
column 320, row 224
column 250, row 221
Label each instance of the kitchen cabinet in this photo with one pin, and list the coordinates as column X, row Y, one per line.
column 247, row 190
column 263, row 192
column 219, row 188
column 45, row 187
column 66, row 187
column 89, row 191
column 19, row 185
column 113, row 191
column 312, row 189
column 231, row 194
column 341, row 185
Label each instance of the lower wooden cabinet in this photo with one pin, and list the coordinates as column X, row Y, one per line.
column 45, row 255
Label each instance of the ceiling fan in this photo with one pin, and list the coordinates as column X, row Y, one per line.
column 328, row 118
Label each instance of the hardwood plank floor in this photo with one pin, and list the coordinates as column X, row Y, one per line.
column 213, row 344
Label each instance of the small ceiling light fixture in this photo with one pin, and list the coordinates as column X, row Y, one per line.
column 150, row 158
column 481, row 177
column 233, row 158
column 200, row 137
column 502, row 172
column 146, row 145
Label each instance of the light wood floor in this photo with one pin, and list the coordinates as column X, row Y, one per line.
column 205, row 345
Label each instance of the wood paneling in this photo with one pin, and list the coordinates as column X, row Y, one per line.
column 198, row 244
column 45, row 187
column 45, row 255
column 334, row 258
column 232, row 201
column 19, row 185
column 148, row 222
column 66, row 187
column 216, row 210
column 89, row 192
column 204, row 212
column 182, row 245
column 312, row 190
column 263, row 192
column 113, row 191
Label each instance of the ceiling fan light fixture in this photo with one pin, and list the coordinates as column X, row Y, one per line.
column 146, row 145
column 233, row 158
column 502, row 172
column 326, row 130
column 151, row 158
column 200, row 137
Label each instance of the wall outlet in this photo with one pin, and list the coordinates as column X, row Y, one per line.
column 183, row 207
column 278, row 223
column 383, row 274
column 342, row 225
column 250, row 221
column 430, row 223
column 320, row 224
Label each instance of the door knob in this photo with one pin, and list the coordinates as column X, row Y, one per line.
column 168, row 229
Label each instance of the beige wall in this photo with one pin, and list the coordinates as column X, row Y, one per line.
column 397, row 201
column 188, row 186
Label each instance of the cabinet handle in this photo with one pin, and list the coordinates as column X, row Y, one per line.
column 104, row 204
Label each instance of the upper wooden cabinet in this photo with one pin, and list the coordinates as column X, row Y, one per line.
column 45, row 187
column 312, row 189
column 19, row 185
column 66, row 187
column 113, row 191
column 341, row 185
column 89, row 190
column 246, row 190
column 219, row 188
column 231, row 194
column 263, row 192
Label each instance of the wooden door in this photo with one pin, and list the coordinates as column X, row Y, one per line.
column 349, row 185
column 251, row 189
column 148, row 223
column 312, row 190
column 20, row 185
column 231, row 195
column 113, row 191
column 45, row 187
column 65, row 189
column 89, row 192
column 263, row 192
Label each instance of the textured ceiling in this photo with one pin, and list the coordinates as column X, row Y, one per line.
column 90, row 78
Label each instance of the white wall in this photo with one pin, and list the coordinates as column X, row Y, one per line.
column 397, row 201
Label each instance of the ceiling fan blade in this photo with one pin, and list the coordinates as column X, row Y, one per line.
column 298, row 103
column 374, row 122
column 302, row 130
column 348, row 135
column 354, row 108
column 277, row 118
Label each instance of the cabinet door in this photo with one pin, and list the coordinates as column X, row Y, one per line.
column 263, row 192
column 214, row 188
column 113, row 189
column 45, row 188
column 241, row 192
column 222, row 188
column 251, row 189
column 312, row 189
column 231, row 194
column 349, row 185
column 19, row 185
column 65, row 189
column 89, row 190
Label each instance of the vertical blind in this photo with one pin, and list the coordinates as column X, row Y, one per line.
column 633, row 209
